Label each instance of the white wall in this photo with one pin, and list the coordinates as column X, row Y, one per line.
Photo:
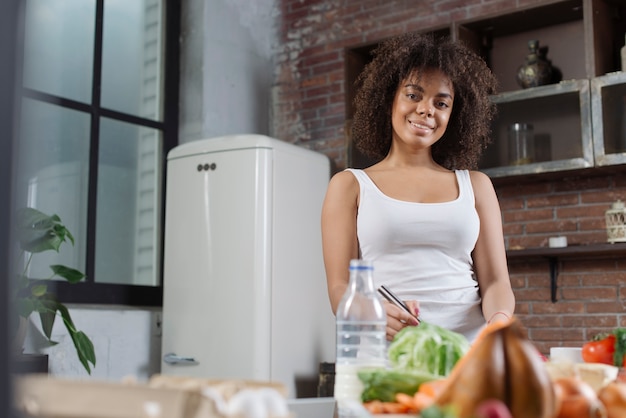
column 226, row 74
column 127, row 343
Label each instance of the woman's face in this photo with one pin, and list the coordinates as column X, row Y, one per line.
column 421, row 108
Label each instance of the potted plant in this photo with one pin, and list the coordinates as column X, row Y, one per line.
column 38, row 232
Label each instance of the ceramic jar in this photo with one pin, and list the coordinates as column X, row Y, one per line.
column 537, row 70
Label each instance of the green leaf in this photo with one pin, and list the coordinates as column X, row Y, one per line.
column 38, row 232
column 22, row 283
column 84, row 349
column 47, row 315
column 26, row 306
column 620, row 347
column 39, row 290
column 61, row 231
column 68, row 273
column 84, row 346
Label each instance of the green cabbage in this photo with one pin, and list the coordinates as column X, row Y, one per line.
column 427, row 348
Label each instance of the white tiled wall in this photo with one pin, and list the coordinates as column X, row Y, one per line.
column 127, row 343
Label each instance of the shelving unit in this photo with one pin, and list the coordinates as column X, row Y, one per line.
column 608, row 104
column 553, row 255
column 584, row 38
column 561, row 118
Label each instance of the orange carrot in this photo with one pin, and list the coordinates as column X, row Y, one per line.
column 422, row 400
column 394, row 408
column 432, row 388
column 374, row 407
column 405, row 399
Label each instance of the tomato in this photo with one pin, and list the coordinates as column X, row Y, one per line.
column 600, row 351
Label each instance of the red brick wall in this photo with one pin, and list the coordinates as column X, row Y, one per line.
column 591, row 292
column 309, row 110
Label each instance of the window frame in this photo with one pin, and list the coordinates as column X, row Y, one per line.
column 89, row 291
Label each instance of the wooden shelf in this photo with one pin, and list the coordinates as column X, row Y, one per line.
column 553, row 255
column 578, row 251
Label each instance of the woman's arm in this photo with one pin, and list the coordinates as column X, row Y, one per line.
column 339, row 239
column 490, row 264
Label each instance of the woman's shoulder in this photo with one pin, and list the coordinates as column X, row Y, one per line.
column 345, row 179
column 482, row 185
column 343, row 187
column 479, row 178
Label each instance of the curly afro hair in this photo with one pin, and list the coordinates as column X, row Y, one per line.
column 394, row 60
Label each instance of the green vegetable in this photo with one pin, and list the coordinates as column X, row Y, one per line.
column 427, row 348
column 416, row 355
column 383, row 384
column 620, row 347
column 436, row 411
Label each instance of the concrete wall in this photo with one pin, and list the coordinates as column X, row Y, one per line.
column 226, row 67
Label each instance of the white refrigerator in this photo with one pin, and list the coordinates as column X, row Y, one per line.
column 244, row 284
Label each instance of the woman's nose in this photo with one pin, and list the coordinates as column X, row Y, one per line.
column 424, row 109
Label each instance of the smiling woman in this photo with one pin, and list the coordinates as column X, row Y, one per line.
column 427, row 220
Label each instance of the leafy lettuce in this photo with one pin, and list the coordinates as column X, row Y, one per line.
column 427, row 348
column 416, row 355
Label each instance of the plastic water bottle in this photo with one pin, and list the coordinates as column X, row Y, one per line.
column 361, row 322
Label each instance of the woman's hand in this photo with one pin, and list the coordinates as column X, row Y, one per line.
column 398, row 318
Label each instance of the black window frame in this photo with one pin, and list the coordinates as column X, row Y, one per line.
column 90, row 291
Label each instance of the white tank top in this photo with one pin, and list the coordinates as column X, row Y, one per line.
column 422, row 251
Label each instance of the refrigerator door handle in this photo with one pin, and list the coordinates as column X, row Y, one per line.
column 172, row 358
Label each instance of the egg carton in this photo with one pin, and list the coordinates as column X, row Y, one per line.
column 44, row 396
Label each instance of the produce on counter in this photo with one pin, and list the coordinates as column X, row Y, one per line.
column 409, row 404
column 419, row 358
column 606, row 348
column 436, row 411
column 383, row 384
column 577, row 399
column 427, row 348
column 596, row 375
column 502, row 375
column 502, row 365
column 613, row 396
column 492, row 408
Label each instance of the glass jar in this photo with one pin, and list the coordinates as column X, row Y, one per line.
column 521, row 144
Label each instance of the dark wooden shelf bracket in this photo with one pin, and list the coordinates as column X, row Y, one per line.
column 554, row 274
